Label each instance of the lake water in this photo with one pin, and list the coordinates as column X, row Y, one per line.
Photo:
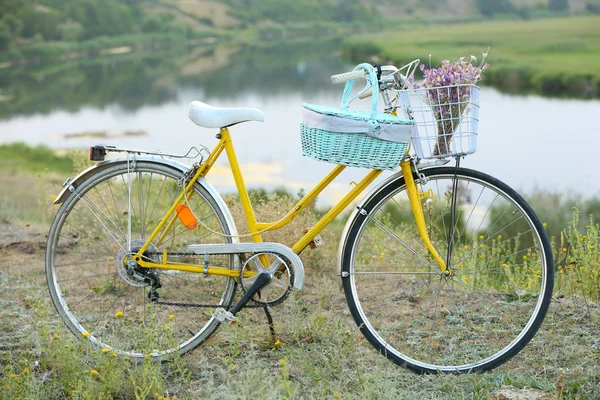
column 530, row 142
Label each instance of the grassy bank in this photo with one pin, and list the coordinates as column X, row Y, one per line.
column 551, row 56
column 16, row 157
column 29, row 177
column 318, row 352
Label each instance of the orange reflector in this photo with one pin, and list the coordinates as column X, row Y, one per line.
column 186, row 216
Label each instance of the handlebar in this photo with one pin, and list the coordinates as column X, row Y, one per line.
column 347, row 76
column 391, row 79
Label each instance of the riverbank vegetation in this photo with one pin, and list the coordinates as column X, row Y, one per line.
column 46, row 29
column 42, row 29
column 559, row 56
column 530, row 50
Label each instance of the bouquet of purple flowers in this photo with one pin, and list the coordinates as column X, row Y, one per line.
column 448, row 94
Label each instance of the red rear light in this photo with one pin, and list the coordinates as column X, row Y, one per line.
column 97, row 153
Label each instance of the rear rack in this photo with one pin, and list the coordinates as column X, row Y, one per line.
column 98, row 152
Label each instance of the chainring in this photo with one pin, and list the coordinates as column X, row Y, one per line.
column 278, row 290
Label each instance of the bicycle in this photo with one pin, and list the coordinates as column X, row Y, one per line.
column 445, row 269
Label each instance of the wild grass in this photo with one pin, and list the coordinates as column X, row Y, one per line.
column 577, row 265
column 29, row 178
column 318, row 351
column 319, row 354
column 552, row 56
column 57, row 365
column 15, row 157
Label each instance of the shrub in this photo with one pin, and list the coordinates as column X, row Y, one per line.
column 578, row 260
column 558, row 5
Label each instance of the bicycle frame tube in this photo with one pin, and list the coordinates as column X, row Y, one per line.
column 202, row 170
column 336, row 210
column 415, row 201
column 257, row 227
column 307, row 199
column 254, row 226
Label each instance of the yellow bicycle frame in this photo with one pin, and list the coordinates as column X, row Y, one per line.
column 256, row 227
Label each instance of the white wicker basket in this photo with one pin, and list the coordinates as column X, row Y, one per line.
column 446, row 118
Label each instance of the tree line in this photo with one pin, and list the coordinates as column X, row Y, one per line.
column 26, row 21
column 492, row 7
column 297, row 11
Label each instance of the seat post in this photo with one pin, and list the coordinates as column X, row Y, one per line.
column 241, row 186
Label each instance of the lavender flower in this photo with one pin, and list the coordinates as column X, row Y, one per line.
column 447, row 98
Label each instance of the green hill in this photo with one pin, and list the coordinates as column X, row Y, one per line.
column 38, row 30
column 558, row 56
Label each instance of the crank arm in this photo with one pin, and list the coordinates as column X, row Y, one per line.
column 262, row 279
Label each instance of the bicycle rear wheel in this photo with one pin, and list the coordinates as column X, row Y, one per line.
column 481, row 315
column 142, row 311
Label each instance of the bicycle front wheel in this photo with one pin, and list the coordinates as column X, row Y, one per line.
column 500, row 277
column 135, row 311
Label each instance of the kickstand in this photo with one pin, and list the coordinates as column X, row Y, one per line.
column 271, row 326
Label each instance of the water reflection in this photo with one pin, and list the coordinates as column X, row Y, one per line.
column 524, row 140
column 136, row 80
column 129, row 81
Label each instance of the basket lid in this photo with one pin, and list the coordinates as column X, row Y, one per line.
column 359, row 115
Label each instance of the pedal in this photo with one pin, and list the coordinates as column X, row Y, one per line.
column 223, row 315
column 316, row 242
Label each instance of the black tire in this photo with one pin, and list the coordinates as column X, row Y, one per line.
column 477, row 318
column 90, row 285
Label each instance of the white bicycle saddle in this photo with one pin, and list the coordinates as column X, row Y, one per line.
column 216, row 117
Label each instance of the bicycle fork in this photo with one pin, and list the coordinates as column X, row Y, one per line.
column 415, row 197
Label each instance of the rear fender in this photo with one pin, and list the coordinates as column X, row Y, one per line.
column 73, row 183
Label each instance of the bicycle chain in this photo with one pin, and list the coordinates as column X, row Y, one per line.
column 192, row 305
column 158, row 253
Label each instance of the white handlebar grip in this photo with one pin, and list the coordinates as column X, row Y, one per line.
column 366, row 93
column 347, row 76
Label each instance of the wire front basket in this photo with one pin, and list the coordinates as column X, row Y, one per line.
column 446, row 119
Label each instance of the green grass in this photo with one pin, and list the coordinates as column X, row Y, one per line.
column 21, row 157
column 320, row 353
column 550, row 55
column 29, row 177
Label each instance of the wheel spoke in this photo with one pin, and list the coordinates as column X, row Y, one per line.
column 497, row 290
column 130, row 309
